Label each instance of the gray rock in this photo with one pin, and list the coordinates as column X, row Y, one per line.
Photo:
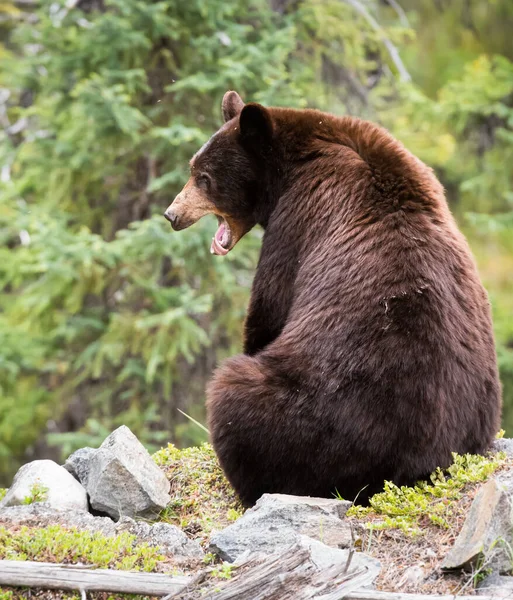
column 123, row 480
column 45, row 480
column 503, row 445
column 487, row 529
column 336, row 508
column 43, row 515
column 277, row 521
column 496, row 586
column 324, row 557
column 78, row 464
column 171, row 540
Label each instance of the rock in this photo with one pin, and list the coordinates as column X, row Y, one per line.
column 277, row 521
column 123, row 480
column 78, row 464
column 46, row 481
column 336, row 508
column 496, row 586
column 43, row 515
column 487, row 529
column 171, row 540
column 324, row 556
column 503, row 445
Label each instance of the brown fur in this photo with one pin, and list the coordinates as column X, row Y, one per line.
column 368, row 351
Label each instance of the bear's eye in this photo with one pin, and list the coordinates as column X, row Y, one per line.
column 203, row 182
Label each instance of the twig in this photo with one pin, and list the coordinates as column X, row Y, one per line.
column 400, row 12
column 392, row 50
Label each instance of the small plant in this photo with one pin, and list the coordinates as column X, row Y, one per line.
column 233, row 514
column 407, row 508
column 56, row 544
column 224, row 571
column 38, row 493
column 2, row 494
column 209, row 558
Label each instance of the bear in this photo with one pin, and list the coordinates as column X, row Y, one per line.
column 368, row 349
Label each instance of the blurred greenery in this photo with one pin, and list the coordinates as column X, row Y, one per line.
column 105, row 316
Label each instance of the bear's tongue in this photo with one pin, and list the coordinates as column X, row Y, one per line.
column 220, row 240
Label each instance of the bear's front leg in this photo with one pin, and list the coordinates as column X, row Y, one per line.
column 271, row 298
column 262, row 326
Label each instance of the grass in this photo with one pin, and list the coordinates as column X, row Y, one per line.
column 59, row 545
column 201, row 497
column 411, row 508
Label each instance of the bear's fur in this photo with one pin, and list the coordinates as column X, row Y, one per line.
column 368, row 351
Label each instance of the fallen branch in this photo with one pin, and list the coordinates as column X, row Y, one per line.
column 289, row 576
column 292, row 575
column 82, row 578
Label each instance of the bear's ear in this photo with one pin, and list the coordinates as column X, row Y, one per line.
column 255, row 123
column 231, row 106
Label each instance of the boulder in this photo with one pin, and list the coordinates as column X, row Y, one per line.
column 496, row 586
column 123, row 480
column 503, row 445
column 78, row 464
column 171, row 540
column 46, row 481
column 487, row 530
column 277, row 521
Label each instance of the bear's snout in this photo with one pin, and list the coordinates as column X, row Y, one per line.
column 173, row 218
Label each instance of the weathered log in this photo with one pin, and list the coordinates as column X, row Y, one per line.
column 291, row 576
column 73, row 577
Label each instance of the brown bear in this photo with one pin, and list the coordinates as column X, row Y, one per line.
column 368, row 350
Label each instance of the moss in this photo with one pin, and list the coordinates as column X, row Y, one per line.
column 2, row 494
column 201, row 497
column 411, row 508
column 56, row 544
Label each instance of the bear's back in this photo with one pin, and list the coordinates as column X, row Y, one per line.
column 387, row 305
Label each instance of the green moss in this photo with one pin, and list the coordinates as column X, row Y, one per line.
column 411, row 508
column 2, row 494
column 201, row 497
column 56, row 544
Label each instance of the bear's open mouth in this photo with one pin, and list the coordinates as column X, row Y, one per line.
column 222, row 240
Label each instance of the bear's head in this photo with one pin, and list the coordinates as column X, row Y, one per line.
column 227, row 175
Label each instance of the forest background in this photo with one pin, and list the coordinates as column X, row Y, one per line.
column 106, row 316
